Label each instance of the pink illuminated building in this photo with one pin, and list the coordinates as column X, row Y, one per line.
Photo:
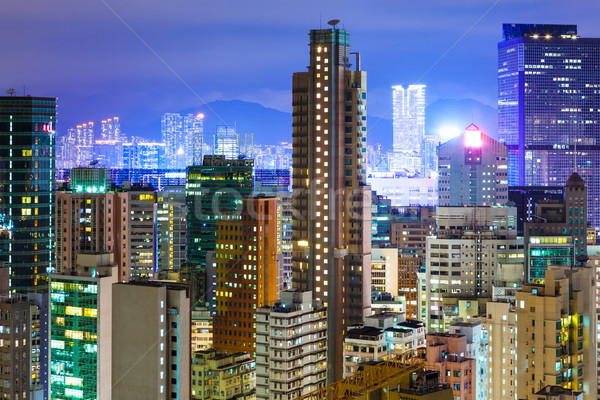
column 472, row 170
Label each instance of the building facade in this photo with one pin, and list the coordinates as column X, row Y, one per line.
column 246, row 271
column 213, row 189
column 472, row 170
column 27, row 136
column 547, row 106
column 556, row 341
column 81, row 329
column 151, row 355
column 332, row 226
column 296, row 327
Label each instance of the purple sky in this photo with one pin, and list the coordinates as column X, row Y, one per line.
column 82, row 53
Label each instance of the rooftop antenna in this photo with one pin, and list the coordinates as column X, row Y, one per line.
column 320, row 21
column 333, row 22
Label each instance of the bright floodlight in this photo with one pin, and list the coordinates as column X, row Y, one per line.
column 448, row 132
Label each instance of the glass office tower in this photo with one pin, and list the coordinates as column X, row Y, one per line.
column 549, row 107
column 27, row 137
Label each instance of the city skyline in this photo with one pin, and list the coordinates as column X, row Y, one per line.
column 458, row 260
column 116, row 54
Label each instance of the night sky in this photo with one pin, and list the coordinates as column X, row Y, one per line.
column 87, row 55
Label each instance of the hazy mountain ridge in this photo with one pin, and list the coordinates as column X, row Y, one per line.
column 270, row 126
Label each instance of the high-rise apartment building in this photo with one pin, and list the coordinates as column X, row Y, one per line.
column 121, row 223
column 463, row 260
column 143, row 155
column 182, row 137
column 477, row 349
column 111, row 129
column 501, row 326
column 409, row 128
column 27, row 135
column 548, row 106
column 66, row 150
column 81, row 329
column 246, row 273
column 213, row 190
column 472, row 170
column 291, row 347
column 16, row 348
column 193, row 126
column 85, row 144
column 171, row 232
column 556, row 338
column 151, row 355
column 332, row 226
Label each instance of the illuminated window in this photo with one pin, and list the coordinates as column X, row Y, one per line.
column 76, row 311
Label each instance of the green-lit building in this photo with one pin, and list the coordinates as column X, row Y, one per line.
column 81, row 329
column 90, row 180
column 213, row 189
column 27, row 137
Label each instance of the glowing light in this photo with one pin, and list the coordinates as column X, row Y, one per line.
column 303, row 243
column 200, row 116
column 180, row 152
column 448, row 132
column 472, row 136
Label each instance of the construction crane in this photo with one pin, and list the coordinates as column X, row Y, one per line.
column 382, row 374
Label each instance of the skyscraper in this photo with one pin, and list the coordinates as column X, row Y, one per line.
column 247, row 269
column 172, row 134
column 213, row 190
column 331, row 228
column 182, row 137
column 548, row 106
column 409, row 127
column 27, row 136
column 85, row 144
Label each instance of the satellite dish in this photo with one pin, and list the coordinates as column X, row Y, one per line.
column 11, row 92
column 333, row 22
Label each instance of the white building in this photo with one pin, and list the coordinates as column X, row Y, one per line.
column 477, row 348
column 384, row 270
column 404, row 191
column 463, row 261
column 380, row 337
column 291, row 347
column 409, row 127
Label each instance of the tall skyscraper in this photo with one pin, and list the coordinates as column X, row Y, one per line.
column 548, row 106
column 247, row 272
column 174, row 140
column 85, row 144
column 214, row 189
column 182, row 137
column 111, row 129
column 27, row 136
column 332, row 225
column 409, row 127
column 193, row 127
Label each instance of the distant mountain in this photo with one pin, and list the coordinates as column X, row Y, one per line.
column 271, row 126
column 440, row 114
